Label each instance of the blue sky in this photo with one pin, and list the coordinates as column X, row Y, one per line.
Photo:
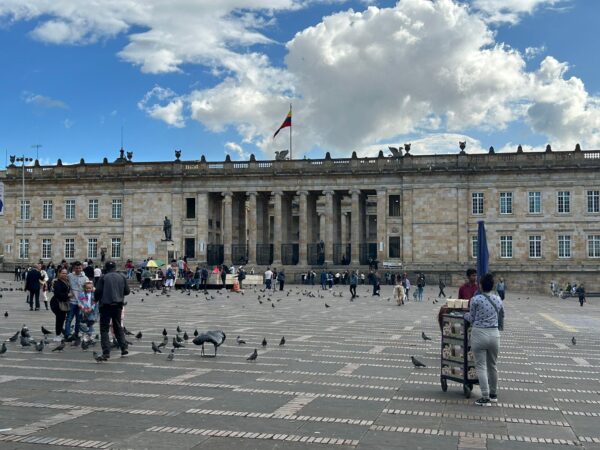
column 361, row 76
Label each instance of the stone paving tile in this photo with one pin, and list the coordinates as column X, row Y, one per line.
column 343, row 379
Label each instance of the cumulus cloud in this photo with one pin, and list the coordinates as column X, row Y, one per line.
column 511, row 11
column 43, row 101
column 233, row 148
column 163, row 104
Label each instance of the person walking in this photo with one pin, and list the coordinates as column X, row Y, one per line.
column 501, row 288
column 33, row 284
column 376, row 280
column 486, row 316
column 281, row 279
column 420, row 287
column 441, row 285
column 224, row 271
column 353, row 284
column 268, row 278
column 203, row 279
column 60, row 302
column 110, row 294
column 76, row 280
column 581, row 294
column 399, row 292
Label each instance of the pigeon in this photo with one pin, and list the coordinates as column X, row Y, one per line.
column 272, row 305
column 177, row 344
column 185, row 336
column 5, row 313
column 179, row 339
column 40, row 346
column 164, row 342
column 164, row 333
column 45, row 332
column 425, row 337
column 98, row 358
column 127, row 332
column 3, row 349
column 25, row 332
column 14, row 337
column 240, row 341
column 171, row 355
column 60, row 347
column 85, row 344
column 416, row 362
column 253, row 356
column 282, row 341
column 25, row 342
column 155, row 348
column 178, row 329
column 264, row 342
column 139, row 335
column 196, row 333
column 573, row 340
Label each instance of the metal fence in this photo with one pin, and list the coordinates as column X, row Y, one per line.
column 366, row 252
column 214, row 254
column 315, row 254
column 341, row 254
column 239, row 254
column 264, row 254
column 290, row 254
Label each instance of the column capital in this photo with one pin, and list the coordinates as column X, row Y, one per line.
column 355, row 191
column 251, row 193
column 227, row 194
column 328, row 192
column 302, row 193
column 277, row 193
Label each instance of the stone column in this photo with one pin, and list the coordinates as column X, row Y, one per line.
column 381, row 224
column 329, row 226
column 252, row 227
column 202, row 215
column 303, row 228
column 227, row 226
column 277, row 210
column 355, row 218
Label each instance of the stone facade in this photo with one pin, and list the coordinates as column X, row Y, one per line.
column 418, row 211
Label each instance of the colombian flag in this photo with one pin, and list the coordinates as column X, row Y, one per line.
column 286, row 123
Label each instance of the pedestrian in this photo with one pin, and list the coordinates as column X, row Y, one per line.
column 353, row 284
column 441, row 285
column 323, row 280
column 224, row 270
column 45, row 286
column 88, row 269
column 110, row 293
column 581, row 294
column 501, row 288
column 399, row 293
column 486, row 315
column 97, row 274
column 274, row 277
column 88, row 307
column 60, row 302
column 129, row 267
column 406, row 284
column 281, row 279
column 376, row 284
column 241, row 276
column 33, row 284
column 268, row 278
column 470, row 288
column 76, row 280
column 170, row 278
column 203, row 278
column 420, row 287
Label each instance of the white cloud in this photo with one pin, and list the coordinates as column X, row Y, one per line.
column 43, row 101
column 532, row 52
column 171, row 112
column 68, row 123
column 512, row 10
column 237, row 150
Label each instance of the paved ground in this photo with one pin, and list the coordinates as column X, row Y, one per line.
column 342, row 380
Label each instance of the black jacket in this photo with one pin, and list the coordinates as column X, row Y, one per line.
column 112, row 289
column 32, row 282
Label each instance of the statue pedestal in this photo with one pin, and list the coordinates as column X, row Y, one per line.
column 167, row 251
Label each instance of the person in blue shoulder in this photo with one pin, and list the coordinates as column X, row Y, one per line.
column 486, row 317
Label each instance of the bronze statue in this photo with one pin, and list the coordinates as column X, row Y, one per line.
column 167, row 228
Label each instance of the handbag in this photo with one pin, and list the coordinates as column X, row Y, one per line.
column 64, row 306
column 499, row 313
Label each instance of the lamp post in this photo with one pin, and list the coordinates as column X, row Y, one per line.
column 22, row 159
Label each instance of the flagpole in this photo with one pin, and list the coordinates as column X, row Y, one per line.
column 291, row 132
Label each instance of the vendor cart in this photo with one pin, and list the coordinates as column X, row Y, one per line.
column 457, row 359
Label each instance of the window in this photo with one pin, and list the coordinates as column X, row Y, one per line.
column 190, row 208
column 117, row 208
column 563, row 203
column 93, row 209
column 506, row 248
column 46, row 248
column 69, row 248
column 535, row 246
column 564, row 246
column 535, row 202
column 394, row 206
column 474, row 247
column 594, row 246
column 209, row 223
column 190, row 247
column 394, row 247
column 47, row 210
column 506, row 206
column 593, row 201
column 115, row 248
column 70, row 209
column 92, row 248
column 24, row 248
column 25, row 210
column 218, row 224
column 477, row 203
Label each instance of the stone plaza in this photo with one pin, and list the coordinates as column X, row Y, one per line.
column 343, row 379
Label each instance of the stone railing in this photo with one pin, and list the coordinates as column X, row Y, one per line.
column 328, row 166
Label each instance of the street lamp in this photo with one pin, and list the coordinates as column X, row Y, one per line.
column 22, row 159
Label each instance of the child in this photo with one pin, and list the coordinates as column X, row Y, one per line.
column 88, row 307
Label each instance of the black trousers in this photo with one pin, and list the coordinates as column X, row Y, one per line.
column 281, row 283
column 112, row 313
column 376, row 288
column 34, row 293
column 353, row 290
column 441, row 293
column 60, row 317
column 203, row 284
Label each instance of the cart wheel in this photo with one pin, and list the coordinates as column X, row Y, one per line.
column 467, row 390
column 444, row 385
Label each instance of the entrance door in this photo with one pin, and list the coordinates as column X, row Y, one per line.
column 190, row 248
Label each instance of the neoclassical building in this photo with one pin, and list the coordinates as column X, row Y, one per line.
column 541, row 211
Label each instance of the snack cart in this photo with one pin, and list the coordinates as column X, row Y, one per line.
column 457, row 359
